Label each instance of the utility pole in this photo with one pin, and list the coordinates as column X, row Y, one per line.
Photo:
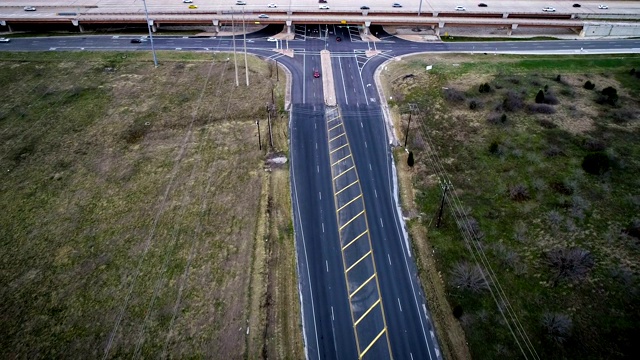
column 406, row 135
column 277, row 72
column 235, row 60
column 445, row 187
column 153, row 50
column 259, row 141
column 269, row 123
column 420, row 8
column 244, row 33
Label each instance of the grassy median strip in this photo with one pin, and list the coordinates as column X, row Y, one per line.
column 543, row 154
column 131, row 208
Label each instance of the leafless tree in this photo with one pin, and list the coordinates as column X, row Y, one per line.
column 557, row 327
column 470, row 277
column 571, row 264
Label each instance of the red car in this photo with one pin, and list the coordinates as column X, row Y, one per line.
column 316, row 74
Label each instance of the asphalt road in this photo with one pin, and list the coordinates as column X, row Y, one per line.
column 358, row 283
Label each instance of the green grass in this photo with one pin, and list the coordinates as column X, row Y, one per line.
column 603, row 307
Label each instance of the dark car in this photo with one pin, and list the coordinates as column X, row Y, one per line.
column 322, row 1
column 576, row 5
column 338, row 38
column 482, row 5
column 364, row 8
column 136, row 41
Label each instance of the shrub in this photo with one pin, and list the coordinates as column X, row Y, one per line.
column 553, row 151
column 596, row 163
column 621, row 116
column 486, row 88
column 591, row 144
column 557, row 327
column 558, row 78
column 496, row 119
column 469, row 277
column 551, row 99
column 546, row 88
column 503, row 118
column 609, row 91
column 519, row 192
column 632, row 71
column 410, row 160
column 540, row 97
column 481, row 88
column 494, row 147
column 454, row 95
column 512, row 102
column 589, row 85
column 457, row 311
column 569, row 264
column 475, row 104
column 547, row 124
column 541, row 109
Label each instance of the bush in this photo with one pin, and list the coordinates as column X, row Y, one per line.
column 496, row 119
column 551, row 99
column 596, row 163
column 632, row 71
column 609, row 91
column 512, row 102
column 621, row 116
column 468, row 277
column 546, row 88
column 475, row 104
column 486, row 88
column 547, row 124
column 410, row 160
column 558, row 78
column 454, row 95
column 457, row 311
column 519, row 193
column 569, row 264
column 557, row 327
column 541, row 109
column 540, row 97
column 494, row 148
column 589, row 85
column 594, row 145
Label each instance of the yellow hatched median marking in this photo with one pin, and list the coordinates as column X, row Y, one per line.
column 335, row 118
column 351, row 220
column 352, row 200
column 342, row 173
column 330, row 140
column 334, row 150
column 348, row 156
column 340, row 124
column 359, row 260
column 372, row 342
column 363, row 285
column 367, row 312
column 354, row 240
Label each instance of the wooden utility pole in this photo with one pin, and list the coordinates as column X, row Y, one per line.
column 235, row 60
column 259, row 142
column 269, row 123
column 406, row 135
column 445, row 187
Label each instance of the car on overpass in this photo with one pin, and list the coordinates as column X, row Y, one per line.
column 460, row 8
column 603, row 7
column 364, row 7
column 193, row 6
column 272, row 5
column 187, row 1
column 240, row 2
column 263, row 16
column 549, row 9
column 323, row 7
column 29, row 8
column 397, row 5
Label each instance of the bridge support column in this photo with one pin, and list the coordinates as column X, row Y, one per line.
column 366, row 27
column 437, row 28
column 435, row 14
column 505, row 15
column 289, row 23
column 513, row 27
column 582, row 32
column 75, row 22
column 216, row 26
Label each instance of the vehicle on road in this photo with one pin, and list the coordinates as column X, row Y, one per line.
column 272, row 5
column 603, row 7
column 240, row 2
column 338, row 38
column 322, row 1
column 263, row 16
column 577, row 5
column 29, row 8
column 364, row 7
column 187, row 1
column 549, row 9
column 271, row 39
column 5, row 40
column 136, row 41
column 397, row 5
column 460, row 8
column 316, row 73
column 193, row 6
column 482, row 5
column 323, row 7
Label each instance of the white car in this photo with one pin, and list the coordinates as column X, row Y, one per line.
column 29, row 8
column 240, row 2
column 4, row 40
column 272, row 39
column 272, row 5
column 323, row 7
column 548, row 9
column 187, row 1
column 460, row 8
column 603, row 7
column 263, row 16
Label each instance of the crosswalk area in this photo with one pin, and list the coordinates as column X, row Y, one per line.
column 367, row 311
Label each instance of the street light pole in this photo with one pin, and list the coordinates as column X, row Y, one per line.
column 420, row 8
column 153, row 50
column 244, row 31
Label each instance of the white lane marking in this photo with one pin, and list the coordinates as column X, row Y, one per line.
column 389, row 256
column 304, row 86
column 316, row 146
column 400, row 306
column 318, row 167
column 327, row 263
column 332, row 317
column 370, row 167
column 381, row 224
column 344, row 86
column 411, row 356
column 365, row 144
column 362, row 126
column 322, row 227
column 320, row 195
column 376, row 192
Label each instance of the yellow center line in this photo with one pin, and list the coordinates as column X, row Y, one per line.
column 342, row 173
column 361, row 286
column 367, row 312
column 330, row 140
column 354, row 240
column 348, row 156
column 340, row 124
column 351, row 220
column 334, row 150
column 354, row 199
column 357, row 262
column 372, row 342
